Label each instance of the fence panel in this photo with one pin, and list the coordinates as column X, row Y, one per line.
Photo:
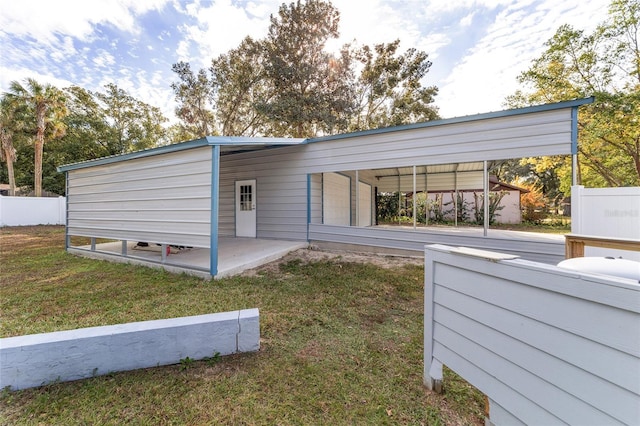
column 609, row 213
column 23, row 211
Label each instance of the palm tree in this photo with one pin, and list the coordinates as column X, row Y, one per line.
column 45, row 104
column 7, row 151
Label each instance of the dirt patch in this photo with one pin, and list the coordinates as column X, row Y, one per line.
column 308, row 255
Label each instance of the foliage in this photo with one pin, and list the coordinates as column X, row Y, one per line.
column 95, row 125
column 533, row 203
column 388, row 90
column 288, row 84
column 312, row 93
column 239, row 76
column 194, row 94
column 495, row 198
column 9, row 126
column 43, row 109
column 603, row 64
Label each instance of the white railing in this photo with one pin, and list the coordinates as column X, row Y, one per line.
column 23, row 211
column 545, row 345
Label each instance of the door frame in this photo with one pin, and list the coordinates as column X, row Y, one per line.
column 245, row 220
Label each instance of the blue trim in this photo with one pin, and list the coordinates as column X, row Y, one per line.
column 215, row 209
column 574, row 130
column 308, row 203
column 497, row 114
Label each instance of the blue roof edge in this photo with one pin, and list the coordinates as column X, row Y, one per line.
column 454, row 120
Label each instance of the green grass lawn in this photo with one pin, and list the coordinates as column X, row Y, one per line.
column 341, row 342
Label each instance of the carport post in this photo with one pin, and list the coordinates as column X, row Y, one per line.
column 215, row 195
column 485, row 183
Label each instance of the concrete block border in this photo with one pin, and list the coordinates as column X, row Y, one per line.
column 38, row 359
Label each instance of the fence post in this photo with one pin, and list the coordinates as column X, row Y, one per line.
column 576, row 208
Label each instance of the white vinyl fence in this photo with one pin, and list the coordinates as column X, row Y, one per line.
column 546, row 346
column 608, row 213
column 22, row 211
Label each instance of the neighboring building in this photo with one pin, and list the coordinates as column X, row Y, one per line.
column 317, row 190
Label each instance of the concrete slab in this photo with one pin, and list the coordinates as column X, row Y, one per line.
column 235, row 255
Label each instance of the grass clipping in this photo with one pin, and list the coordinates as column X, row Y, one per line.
column 341, row 341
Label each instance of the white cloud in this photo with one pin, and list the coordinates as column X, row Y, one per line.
column 220, row 27
column 104, row 59
column 43, row 20
column 482, row 79
column 467, row 20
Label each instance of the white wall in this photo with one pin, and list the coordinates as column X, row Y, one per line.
column 606, row 212
column 546, row 345
column 23, row 211
column 164, row 198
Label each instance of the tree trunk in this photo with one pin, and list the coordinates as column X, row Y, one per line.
column 12, row 180
column 37, row 171
column 41, row 110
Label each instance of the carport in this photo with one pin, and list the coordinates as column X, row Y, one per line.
column 196, row 194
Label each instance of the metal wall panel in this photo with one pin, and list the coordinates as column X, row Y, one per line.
column 435, row 182
column 534, row 134
column 540, row 249
column 281, row 189
column 159, row 199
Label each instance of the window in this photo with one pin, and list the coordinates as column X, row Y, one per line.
column 246, row 197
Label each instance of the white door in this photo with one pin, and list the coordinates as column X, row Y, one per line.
column 246, row 208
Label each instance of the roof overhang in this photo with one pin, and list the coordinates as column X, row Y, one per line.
column 227, row 144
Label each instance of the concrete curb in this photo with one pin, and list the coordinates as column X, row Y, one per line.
column 38, row 359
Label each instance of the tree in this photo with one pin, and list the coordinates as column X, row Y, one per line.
column 389, row 91
column 8, row 151
column 132, row 124
column 312, row 90
column 605, row 64
column 194, row 93
column 239, row 76
column 45, row 105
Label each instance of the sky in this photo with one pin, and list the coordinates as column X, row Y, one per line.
column 477, row 47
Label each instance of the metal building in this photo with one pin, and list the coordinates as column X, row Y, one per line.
column 197, row 194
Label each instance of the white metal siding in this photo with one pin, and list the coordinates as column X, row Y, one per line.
column 315, row 193
column 435, row 182
column 547, row 345
column 365, row 204
column 281, row 188
column 534, row 134
column 544, row 250
column 336, row 199
column 160, row 199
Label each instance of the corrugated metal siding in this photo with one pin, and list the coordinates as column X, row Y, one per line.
column 435, row 182
column 315, row 193
column 534, row 134
column 550, row 252
column 503, row 326
column 281, row 186
column 160, row 199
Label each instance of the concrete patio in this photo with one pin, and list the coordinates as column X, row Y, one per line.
column 235, row 255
